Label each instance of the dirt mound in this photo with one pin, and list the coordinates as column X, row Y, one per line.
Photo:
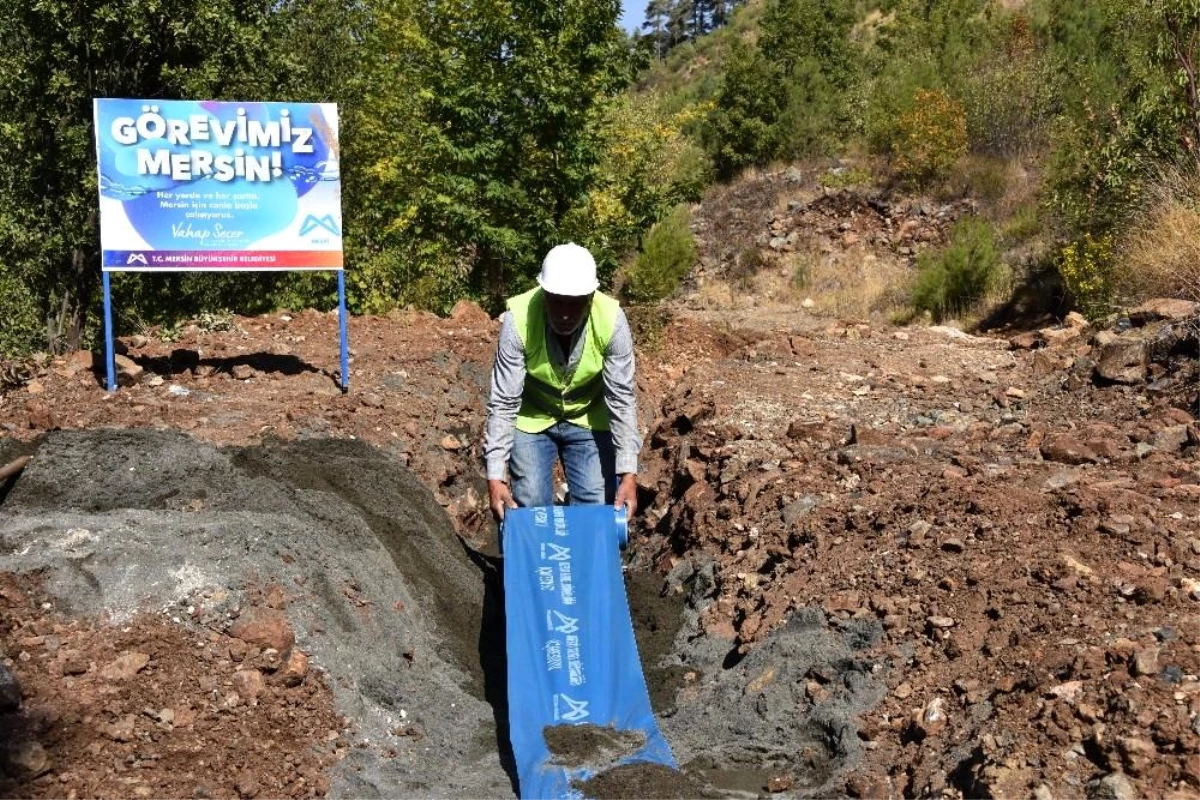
column 644, row 781
column 418, row 388
column 363, row 568
column 1023, row 547
column 155, row 709
column 781, row 239
column 326, row 550
column 592, row 746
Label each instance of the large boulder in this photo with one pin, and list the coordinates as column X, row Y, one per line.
column 1120, row 358
column 1162, row 308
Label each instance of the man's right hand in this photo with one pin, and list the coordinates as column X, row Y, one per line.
column 500, row 498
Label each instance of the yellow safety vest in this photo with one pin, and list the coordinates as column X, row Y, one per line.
column 550, row 396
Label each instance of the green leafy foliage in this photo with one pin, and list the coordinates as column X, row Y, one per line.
column 786, row 97
column 648, row 165
column 924, row 47
column 930, row 138
column 950, row 280
column 23, row 330
column 476, row 135
column 1010, row 100
column 515, row 93
column 473, row 137
column 1086, row 267
column 55, row 57
column 668, row 254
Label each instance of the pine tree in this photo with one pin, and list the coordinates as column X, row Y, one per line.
column 655, row 25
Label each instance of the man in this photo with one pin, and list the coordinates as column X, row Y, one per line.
column 562, row 388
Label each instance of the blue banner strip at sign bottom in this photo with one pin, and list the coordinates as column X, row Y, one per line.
column 572, row 658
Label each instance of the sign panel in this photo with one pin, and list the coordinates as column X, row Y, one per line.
column 209, row 185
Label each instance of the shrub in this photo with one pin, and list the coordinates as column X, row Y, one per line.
column 950, row 280
column 668, row 254
column 748, row 263
column 931, row 137
column 982, row 177
column 1086, row 267
column 1010, row 99
column 22, row 332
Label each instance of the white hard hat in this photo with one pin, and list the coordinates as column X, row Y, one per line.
column 570, row 270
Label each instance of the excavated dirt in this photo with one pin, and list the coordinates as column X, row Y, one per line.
column 910, row 563
column 113, row 712
column 327, row 562
column 649, row 781
column 590, row 745
column 871, row 562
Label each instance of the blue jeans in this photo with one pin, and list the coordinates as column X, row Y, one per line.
column 588, row 460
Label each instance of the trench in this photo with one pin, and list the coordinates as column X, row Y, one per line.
column 408, row 620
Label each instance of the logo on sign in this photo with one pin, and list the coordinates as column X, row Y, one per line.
column 556, row 552
column 137, row 258
column 561, row 623
column 553, row 654
column 326, row 222
column 576, row 709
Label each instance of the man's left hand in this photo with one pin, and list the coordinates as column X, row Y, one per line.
column 626, row 496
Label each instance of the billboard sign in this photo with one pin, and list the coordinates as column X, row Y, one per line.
column 211, row 185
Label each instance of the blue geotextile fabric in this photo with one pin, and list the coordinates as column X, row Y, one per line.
column 572, row 658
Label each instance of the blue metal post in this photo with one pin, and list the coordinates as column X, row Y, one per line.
column 342, row 325
column 108, row 335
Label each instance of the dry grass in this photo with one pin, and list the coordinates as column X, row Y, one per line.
column 1001, row 185
column 1159, row 256
column 851, row 283
column 854, row 283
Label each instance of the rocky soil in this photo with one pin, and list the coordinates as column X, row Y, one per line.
column 871, row 562
column 1020, row 523
column 150, row 708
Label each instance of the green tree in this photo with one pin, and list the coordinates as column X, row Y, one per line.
column 55, row 57
column 799, row 33
column 514, row 94
column 394, row 256
column 742, row 124
column 1130, row 104
column 654, row 24
column 787, row 96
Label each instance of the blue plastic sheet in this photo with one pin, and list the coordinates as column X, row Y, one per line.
column 572, row 658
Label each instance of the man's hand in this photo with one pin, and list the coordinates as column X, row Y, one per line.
column 500, row 498
column 626, row 496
